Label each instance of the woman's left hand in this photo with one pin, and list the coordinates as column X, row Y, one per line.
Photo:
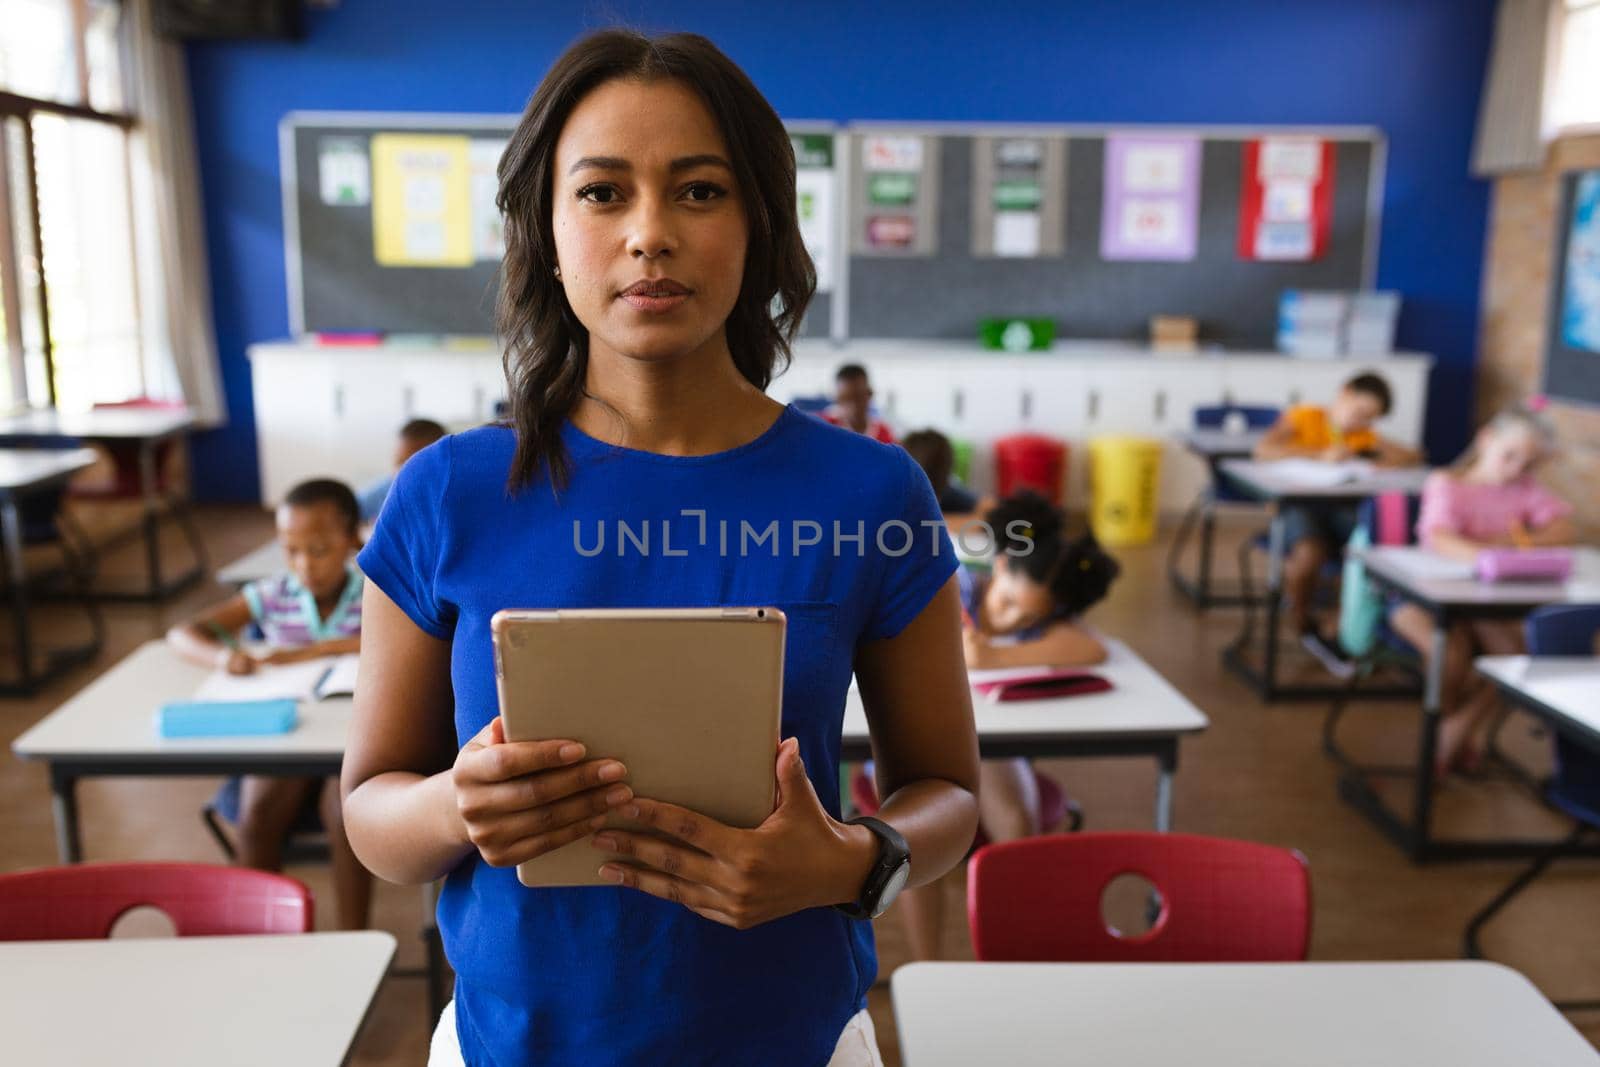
column 800, row 857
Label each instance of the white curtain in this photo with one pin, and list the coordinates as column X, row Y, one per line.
column 174, row 283
column 1511, row 135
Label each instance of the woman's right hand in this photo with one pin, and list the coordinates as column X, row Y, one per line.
column 237, row 662
column 520, row 799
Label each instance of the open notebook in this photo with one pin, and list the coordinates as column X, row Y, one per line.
column 317, row 679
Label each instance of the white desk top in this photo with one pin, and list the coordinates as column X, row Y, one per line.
column 1140, row 704
column 113, row 718
column 1217, row 444
column 262, row 562
column 1445, row 582
column 288, row 998
column 1566, row 685
column 1269, row 481
column 1464, row 1014
column 106, row 424
column 23, row 468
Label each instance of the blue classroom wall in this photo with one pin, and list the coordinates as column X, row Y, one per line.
column 1413, row 68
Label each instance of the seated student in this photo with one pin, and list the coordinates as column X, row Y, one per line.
column 414, row 437
column 934, row 454
column 1342, row 431
column 852, row 404
column 314, row 610
column 1486, row 499
column 1025, row 612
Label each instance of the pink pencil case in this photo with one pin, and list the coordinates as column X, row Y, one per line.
column 1524, row 564
column 1044, row 686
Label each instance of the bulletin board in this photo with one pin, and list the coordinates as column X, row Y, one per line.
column 1572, row 351
column 924, row 264
column 389, row 224
column 367, row 250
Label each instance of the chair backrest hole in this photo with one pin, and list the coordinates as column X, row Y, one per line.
column 144, row 921
column 1130, row 906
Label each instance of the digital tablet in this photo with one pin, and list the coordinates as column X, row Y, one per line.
column 689, row 699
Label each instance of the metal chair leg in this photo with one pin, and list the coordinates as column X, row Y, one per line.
column 1180, row 542
column 1471, row 948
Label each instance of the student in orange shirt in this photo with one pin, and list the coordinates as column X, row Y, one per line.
column 1339, row 432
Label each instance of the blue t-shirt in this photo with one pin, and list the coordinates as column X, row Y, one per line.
column 841, row 533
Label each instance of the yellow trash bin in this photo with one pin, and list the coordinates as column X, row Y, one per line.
column 1124, row 488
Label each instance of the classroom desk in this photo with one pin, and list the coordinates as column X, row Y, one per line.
column 262, row 562
column 108, row 729
column 1564, row 691
column 148, row 428
column 1465, row 1014
column 1266, row 482
column 1442, row 589
column 1142, row 716
column 24, row 472
column 101, row 732
column 1212, row 446
column 180, row 1001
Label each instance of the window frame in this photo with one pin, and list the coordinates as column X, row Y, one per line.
column 24, row 109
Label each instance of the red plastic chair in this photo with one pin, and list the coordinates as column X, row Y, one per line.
column 1222, row 901
column 85, row 901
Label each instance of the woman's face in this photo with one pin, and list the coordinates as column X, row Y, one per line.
column 649, row 227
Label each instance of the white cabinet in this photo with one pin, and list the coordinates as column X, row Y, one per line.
column 297, row 388
column 334, row 411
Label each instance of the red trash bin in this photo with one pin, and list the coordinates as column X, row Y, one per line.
column 1031, row 461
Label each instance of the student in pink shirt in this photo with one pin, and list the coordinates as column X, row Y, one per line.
column 1486, row 499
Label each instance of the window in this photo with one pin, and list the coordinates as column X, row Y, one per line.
column 69, row 300
column 1574, row 99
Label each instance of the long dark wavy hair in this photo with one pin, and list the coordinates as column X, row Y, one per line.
column 546, row 347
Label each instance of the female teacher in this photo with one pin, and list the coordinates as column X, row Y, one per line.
column 653, row 278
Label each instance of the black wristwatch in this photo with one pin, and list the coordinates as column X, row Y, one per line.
column 887, row 876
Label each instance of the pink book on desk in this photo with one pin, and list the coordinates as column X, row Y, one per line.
column 1046, row 683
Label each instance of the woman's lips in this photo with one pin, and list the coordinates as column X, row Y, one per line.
column 654, row 303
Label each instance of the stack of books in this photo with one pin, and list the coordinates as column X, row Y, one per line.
column 1330, row 323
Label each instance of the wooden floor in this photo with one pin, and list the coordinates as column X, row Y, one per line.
column 1258, row 773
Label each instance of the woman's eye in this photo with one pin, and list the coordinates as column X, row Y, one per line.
column 703, row 192
column 598, row 194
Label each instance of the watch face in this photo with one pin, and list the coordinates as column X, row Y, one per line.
column 891, row 889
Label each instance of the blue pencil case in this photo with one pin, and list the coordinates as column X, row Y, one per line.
column 226, row 718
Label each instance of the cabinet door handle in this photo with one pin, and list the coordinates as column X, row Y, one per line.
column 1161, row 405
column 1094, row 404
column 410, row 402
column 338, row 401
column 958, row 402
column 1027, row 404
column 890, row 401
column 477, row 402
column 1294, row 397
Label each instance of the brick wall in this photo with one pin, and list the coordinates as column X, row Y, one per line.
column 1516, row 306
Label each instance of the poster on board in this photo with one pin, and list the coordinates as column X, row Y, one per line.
column 1286, row 199
column 421, row 200
column 1152, row 197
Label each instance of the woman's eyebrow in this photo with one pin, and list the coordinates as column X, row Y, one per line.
column 676, row 166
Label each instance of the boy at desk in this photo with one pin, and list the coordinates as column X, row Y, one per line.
column 310, row 612
column 1341, row 432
